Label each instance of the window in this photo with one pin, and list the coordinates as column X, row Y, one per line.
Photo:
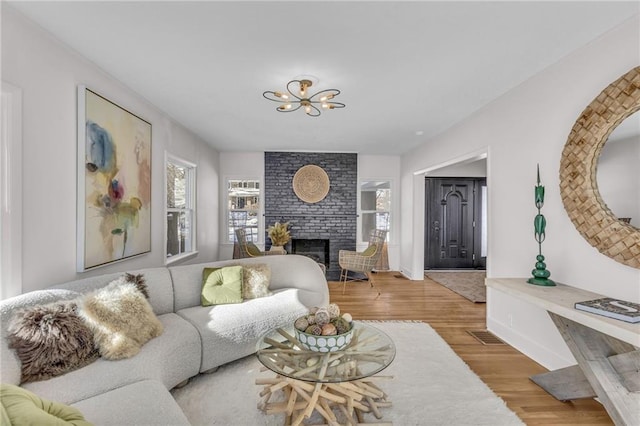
column 375, row 206
column 243, row 205
column 181, row 208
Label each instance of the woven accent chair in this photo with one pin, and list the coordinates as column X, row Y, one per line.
column 248, row 249
column 362, row 262
column 238, row 220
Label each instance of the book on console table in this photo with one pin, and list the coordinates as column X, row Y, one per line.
column 612, row 308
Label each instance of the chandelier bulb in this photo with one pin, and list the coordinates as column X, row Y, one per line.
column 304, row 84
column 281, row 95
column 307, row 109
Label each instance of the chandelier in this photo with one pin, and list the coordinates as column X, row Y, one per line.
column 312, row 104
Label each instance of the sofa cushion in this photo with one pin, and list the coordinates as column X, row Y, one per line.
column 21, row 407
column 50, row 340
column 229, row 332
column 255, row 281
column 169, row 358
column 120, row 317
column 221, row 285
column 142, row 403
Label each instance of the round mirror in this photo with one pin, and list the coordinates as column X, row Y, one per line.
column 578, row 185
column 618, row 173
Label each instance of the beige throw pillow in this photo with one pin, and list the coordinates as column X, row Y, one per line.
column 121, row 318
column 255, row 281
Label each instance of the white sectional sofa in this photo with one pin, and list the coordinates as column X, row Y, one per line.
column 196, row 339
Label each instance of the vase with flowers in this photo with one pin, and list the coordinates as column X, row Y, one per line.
column 279, row 234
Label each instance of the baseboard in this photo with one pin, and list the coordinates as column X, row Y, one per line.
column 409, row 273
column 544, row 356
column 404, row 274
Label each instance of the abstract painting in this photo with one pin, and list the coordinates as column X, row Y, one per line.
column 114, row 182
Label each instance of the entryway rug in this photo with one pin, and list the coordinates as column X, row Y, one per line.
column 431, row 386
column 468, row 284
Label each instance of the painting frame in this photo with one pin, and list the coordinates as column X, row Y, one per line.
column 113, row 182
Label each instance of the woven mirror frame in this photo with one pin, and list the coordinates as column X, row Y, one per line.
column 578, row 166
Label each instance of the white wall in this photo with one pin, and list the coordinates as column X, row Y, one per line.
column 48, row 74
column 526, row 126
column 476, row 168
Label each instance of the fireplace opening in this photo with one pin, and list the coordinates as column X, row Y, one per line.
column 316, row 249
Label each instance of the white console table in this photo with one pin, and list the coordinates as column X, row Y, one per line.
column 606, row 349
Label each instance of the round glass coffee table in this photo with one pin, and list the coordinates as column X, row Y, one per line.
column 343, row 382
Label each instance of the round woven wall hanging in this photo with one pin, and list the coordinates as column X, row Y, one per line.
column 311, row 184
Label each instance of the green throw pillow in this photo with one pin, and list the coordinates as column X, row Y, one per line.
column 370, row 251
column 221, row 285
column 21, row 407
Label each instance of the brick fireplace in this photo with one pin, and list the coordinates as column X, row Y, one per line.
column 333, row 219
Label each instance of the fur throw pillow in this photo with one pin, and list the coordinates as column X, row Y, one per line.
column 255, row 281
column 50, row 340
column 120, row 317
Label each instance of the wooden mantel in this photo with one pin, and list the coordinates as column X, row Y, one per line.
column 606, row 349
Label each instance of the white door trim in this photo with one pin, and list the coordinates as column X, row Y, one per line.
column 11, row 192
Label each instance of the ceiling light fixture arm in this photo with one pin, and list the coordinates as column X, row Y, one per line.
column 293, row 102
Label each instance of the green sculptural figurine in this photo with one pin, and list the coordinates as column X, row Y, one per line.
column 540, row 273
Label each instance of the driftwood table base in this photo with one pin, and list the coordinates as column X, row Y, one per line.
column 341, row 386
column 349, row 400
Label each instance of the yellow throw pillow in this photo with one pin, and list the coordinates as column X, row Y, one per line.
column 21, row 407
column 370, row 251
column 221, row 285
column 253, row 250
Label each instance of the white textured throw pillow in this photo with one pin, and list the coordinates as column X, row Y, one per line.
column 255, row 281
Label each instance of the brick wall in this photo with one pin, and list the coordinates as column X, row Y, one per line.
column 333, row 218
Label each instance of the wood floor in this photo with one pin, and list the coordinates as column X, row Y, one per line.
column 505, row 370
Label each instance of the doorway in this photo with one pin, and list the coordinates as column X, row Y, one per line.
column 455, row 217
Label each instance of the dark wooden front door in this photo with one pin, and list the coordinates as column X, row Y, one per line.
column 452, row 223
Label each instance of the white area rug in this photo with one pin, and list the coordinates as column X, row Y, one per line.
column 431, row 386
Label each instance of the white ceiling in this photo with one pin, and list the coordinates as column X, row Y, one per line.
column 402, row 67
